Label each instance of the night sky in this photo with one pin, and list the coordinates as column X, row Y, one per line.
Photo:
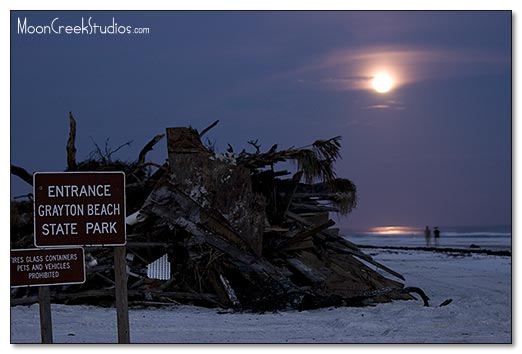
column 434, row 150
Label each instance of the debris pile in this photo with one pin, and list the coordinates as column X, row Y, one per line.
column 227, row 230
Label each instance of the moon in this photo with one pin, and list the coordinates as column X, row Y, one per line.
column 382, row 82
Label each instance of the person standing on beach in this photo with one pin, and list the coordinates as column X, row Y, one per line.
column 427, row 234
column 436, row 233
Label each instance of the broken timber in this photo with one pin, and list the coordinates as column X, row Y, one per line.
column 236, row 234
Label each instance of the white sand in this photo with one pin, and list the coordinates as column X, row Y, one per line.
column 480, row 287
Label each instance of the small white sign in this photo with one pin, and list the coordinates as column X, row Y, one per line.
column 159, row 269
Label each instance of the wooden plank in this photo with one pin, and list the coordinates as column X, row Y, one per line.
column 283, row 203
column 312, row 207
column 198, row 220
column 303, row 245
column 351, row 248
column 104, row 278
column 213, row 277
column 307, row 271
column 122, row 301
column 366, row 258
column 309, row 265
column 179, row 295
column 221, row 190
column 300, row 220
column 231, row 294
column 316, row 218
column 176, row 208
column 334, row 232
column 182, row 140
column 275, row 229
column 46, row 326
column 306, row 234
column 146, row 244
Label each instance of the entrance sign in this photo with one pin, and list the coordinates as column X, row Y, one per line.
column 52, row 266
column 75, row 208
column 79, row 208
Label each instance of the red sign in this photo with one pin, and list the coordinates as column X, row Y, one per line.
column 52, row 266
column 79, row 208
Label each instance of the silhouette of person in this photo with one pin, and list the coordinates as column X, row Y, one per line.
column 436, row 233
column 427, row 235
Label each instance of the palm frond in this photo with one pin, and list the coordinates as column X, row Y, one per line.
column 340, row 193
column 315, row 160
column 328, row 149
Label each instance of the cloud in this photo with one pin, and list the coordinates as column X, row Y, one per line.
column 378, row 106
column 347, row 81
column 390, row 104
column 353, row 68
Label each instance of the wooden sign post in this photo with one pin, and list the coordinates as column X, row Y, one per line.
column 122, row 302
column 46, row 326
column 85, row 208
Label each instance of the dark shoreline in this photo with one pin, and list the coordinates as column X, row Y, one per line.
column 441, row 250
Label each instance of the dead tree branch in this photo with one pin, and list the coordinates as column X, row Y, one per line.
column 208, row 128
column 412, row 289
column 148, row 147
column 22, row 174
column 71, row 149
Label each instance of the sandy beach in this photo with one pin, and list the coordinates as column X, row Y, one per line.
column 480, row 312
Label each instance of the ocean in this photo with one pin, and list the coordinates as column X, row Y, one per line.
column 496, row 238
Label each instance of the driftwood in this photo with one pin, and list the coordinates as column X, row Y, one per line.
column 306, row 233
column 419, row 291
column 22, row 174
column 208, row 128
column 233, row 231
column 148, row 147
column 446, row 302
column 71, row 148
